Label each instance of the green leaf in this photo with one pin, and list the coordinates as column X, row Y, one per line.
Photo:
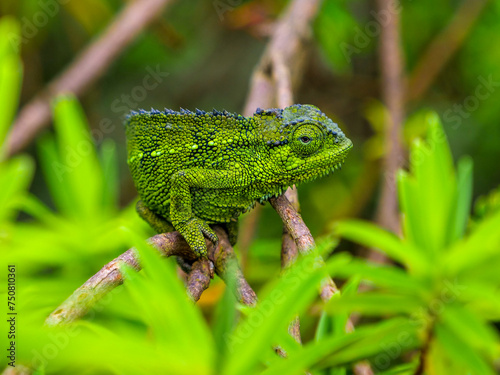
column 370, row 235
column 464, row 198
column 339, row 321
column 428, row 194
column 225, row 319
column 461, row 352
column 334, row 25
column 479, row 246
column 483, row 297
column 471, row 329
column 285, row 298
column 374, row 303
column 53, row 171
column 390, row 277
column 78, row 158
column 15, row 177
column 386, row 342
column 335, row 324
column 334, row 351
column 10, row 76
column 404, row 369
column 109, row 162
column 165, row 307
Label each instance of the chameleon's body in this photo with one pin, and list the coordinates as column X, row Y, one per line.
column 194, row 169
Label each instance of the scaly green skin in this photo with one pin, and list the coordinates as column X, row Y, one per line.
column 195, row 169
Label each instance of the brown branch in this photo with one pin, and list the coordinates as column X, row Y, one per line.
column 300, row 233
column 278, row 73
column 280, row 68
column 289, row 254
column 168, row 244
column 272, row 84
column 304, row 241
column 85, row 70
column 391, row 66
column 198, row 279
column 443, row 48
column 226, row 265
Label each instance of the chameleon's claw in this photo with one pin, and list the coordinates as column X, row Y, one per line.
column 194, row 232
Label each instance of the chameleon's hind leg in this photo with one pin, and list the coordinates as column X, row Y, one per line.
column 159, row 224
column 232, row 231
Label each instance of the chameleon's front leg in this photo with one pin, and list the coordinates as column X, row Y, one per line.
column 193, row 229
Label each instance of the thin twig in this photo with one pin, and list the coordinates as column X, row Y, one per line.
column 226, row 265
column 85, row 69
column 391, row 66
column 443, row 48
column 300, row 233
column 305, row 242
column 198, row 279
column 281, row 66
column 285, row 55
column 289, row 254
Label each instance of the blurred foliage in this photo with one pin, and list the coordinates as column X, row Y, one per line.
column 67, row 204
column 448, row 287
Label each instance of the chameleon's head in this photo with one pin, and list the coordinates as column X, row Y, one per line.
column 308, row 144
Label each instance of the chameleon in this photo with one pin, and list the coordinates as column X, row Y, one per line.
column 195, row 169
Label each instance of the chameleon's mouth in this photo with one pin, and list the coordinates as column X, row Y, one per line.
column 345, row 145
column 334, row 162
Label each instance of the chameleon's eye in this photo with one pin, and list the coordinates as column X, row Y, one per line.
column 307, row 139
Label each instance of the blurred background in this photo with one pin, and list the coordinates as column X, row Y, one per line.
column 204, row 53
column 201, row 54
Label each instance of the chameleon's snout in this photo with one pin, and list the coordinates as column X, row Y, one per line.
column 344, row 144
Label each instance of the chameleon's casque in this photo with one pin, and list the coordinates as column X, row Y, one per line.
column 198, row 168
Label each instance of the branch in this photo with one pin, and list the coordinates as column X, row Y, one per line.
column 168, row 244
column 272, row 85
column 443, row 47
column 281, row 65
column 391, row 66
column 91, row 64
column 198, row 279
column 277, row 74
column 302, row 237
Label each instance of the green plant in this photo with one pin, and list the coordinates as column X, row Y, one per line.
column 447, row 281
column 432, row 311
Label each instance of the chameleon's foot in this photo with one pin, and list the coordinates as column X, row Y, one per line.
column 194, row 232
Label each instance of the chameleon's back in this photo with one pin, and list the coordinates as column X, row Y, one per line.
column 162, row 143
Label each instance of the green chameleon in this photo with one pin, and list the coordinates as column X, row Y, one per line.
column 201, row 168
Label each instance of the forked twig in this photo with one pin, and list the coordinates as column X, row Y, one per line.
column 170, row 244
